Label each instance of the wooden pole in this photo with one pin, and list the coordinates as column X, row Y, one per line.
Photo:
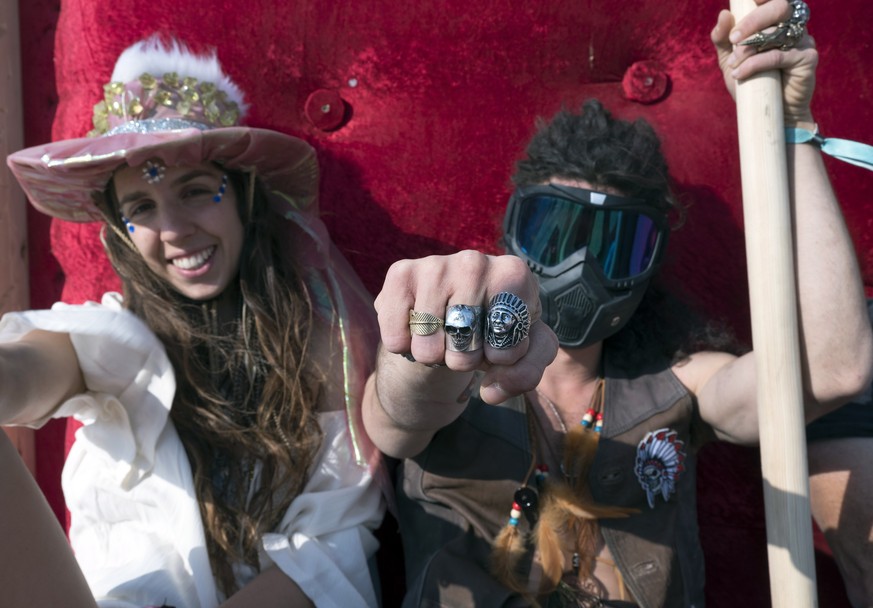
column 14, row 285
column 773, row 300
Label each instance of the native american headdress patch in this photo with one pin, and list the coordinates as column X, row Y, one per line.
column 660, row 461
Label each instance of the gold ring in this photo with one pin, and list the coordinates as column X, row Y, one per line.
column 423, row 323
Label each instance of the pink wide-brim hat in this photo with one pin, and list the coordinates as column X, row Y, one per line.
column 163, row 103
column 61, row 178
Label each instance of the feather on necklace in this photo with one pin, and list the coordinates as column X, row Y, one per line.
column 565, row 516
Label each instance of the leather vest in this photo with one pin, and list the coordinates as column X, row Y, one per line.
column 454, row 497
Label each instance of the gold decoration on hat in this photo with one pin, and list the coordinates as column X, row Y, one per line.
column 211, row 112
column 229, row 118
column 113, row 89
column 165, row 98
column 100, row 119
column 171, row 79
column 148, row 81
column 150, row 97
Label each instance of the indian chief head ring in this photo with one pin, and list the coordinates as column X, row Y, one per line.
column 507, row 322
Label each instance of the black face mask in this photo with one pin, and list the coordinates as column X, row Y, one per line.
column 594, row 254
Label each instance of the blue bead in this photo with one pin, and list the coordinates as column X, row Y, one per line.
column 513, row 521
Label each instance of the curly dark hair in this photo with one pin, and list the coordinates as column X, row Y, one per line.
column 594, row 146
column 669, row 326
column 246, row 391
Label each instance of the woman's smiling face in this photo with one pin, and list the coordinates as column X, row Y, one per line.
column 185, row 224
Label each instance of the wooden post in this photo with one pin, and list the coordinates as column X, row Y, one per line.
column 773, row 300
column 14, row 285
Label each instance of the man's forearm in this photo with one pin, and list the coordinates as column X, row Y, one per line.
column 836, row 342
column 406, row 403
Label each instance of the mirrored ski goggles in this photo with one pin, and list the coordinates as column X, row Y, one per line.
column 556, row 227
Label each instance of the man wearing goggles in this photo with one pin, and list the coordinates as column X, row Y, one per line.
column 581, row 491
column 594, row 253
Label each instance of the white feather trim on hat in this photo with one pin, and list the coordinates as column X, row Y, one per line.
column 156, row 56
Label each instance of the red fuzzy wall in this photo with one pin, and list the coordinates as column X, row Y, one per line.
column 439, row 97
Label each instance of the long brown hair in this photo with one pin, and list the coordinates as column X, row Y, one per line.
column 246, row 398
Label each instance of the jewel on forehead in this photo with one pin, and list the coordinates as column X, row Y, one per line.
column 153, row 172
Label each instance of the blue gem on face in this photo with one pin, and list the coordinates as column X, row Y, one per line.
column 217, row 198
column 153, row 172
column 127, row 223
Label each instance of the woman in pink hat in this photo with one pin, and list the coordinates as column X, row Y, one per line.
column 221, row 460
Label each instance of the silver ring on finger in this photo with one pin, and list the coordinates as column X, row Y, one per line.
column 787, row 34
column 507, row 322
column 463, row 327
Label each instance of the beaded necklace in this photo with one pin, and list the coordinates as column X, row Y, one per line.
column 593, row 414
column 523, row 501
column 557, row 505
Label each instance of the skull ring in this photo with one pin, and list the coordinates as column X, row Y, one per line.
column 463, row 327
column 508, row 321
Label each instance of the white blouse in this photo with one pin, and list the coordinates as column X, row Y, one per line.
column 136, row 527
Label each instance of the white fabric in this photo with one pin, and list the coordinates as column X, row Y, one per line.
column 136, row 526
